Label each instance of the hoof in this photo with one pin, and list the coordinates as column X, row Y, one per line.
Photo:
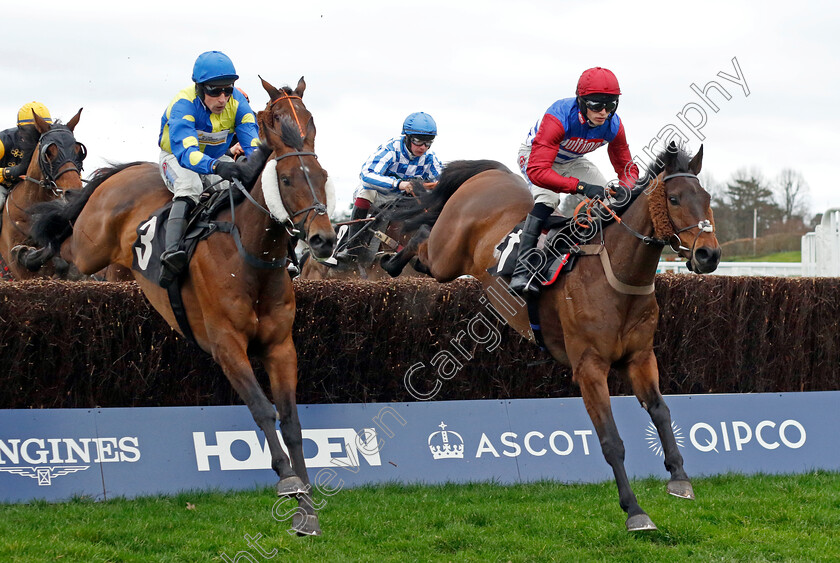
column 306, row 525
column 15, row 252
column 640, row 523
column 681, row 489
column 291, row 486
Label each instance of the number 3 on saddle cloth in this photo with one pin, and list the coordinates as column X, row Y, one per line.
column 552, row 257
column 151, row 235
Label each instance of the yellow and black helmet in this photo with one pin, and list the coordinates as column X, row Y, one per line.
column 25, row 113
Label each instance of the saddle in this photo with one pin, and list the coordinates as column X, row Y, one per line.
column 566, row 240
column 560, row 249
column 151, row 234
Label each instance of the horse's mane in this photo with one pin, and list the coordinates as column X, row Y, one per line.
column 675, row 159
column 426, row 208
column 290, row 134
column 53, row 220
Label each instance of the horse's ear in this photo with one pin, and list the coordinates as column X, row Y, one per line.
column 41, row 125
column 273, row 93
column 697, row 162
column 75, row 121
column 670, row 156
column 310, row 130
column 301, row 87
column 264, row 124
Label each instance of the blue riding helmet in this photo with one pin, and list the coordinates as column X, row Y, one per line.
column 213, row 66
column 419, row 123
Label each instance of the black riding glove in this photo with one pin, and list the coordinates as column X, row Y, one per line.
column 622, row 194
column 252, row 166
column 591, row 191
column 228, row 170
column 7, row 175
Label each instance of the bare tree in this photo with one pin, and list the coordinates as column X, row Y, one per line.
column 793, row 195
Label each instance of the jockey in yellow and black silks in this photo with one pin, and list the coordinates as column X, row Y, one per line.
column 17, row 145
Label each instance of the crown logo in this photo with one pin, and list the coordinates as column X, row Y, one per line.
column 441, row 446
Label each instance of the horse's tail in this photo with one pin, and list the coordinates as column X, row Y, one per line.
column 53, row 220
column 430, row 204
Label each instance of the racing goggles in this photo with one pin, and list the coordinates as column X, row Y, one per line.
column 597, row 106
column 216, row 91
column 421, row 142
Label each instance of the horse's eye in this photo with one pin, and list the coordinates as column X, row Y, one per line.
column 674, row 200
column 286, row 181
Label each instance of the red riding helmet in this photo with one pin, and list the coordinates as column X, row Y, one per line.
column 597, row 81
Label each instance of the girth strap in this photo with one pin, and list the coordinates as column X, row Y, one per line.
column 615, row 283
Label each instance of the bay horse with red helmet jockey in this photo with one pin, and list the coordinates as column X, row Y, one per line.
column 604, row 313
column 237, row 293
column 55, row 168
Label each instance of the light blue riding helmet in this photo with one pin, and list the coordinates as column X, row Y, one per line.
column 419, row 123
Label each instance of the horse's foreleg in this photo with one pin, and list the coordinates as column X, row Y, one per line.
column 32, row 258
column 644, row 376
column 230, row 353
column 281, row 363
column 395, row 264
column 591, row 375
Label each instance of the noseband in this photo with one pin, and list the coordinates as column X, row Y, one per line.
column 704, row 226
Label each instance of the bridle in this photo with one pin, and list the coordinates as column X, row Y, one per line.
column 289, row 98
column 62, row 138
column 703, row 226
column 674, row 240
column 66, row 144
column 295, row 230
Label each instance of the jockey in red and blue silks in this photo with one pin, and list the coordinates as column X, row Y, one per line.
column 552, row 157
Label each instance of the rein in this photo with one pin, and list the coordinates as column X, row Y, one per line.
column 704, row 226
column 296, row 230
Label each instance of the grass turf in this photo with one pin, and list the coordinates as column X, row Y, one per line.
column 735, row 518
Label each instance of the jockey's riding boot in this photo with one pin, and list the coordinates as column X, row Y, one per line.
column 354, row 248
column 173, row 259
column 523, row 281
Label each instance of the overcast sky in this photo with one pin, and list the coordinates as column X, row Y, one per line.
column 485, row 70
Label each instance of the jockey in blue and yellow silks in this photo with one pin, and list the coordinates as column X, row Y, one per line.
column 195, row 132
column 197, row 137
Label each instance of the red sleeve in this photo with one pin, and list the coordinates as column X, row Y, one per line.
column 543, row 152
column 619, row 152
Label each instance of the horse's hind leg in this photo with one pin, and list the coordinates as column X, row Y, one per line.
column 395, row 264
column 644, row 376
column 281, row 363
column 591, row 375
